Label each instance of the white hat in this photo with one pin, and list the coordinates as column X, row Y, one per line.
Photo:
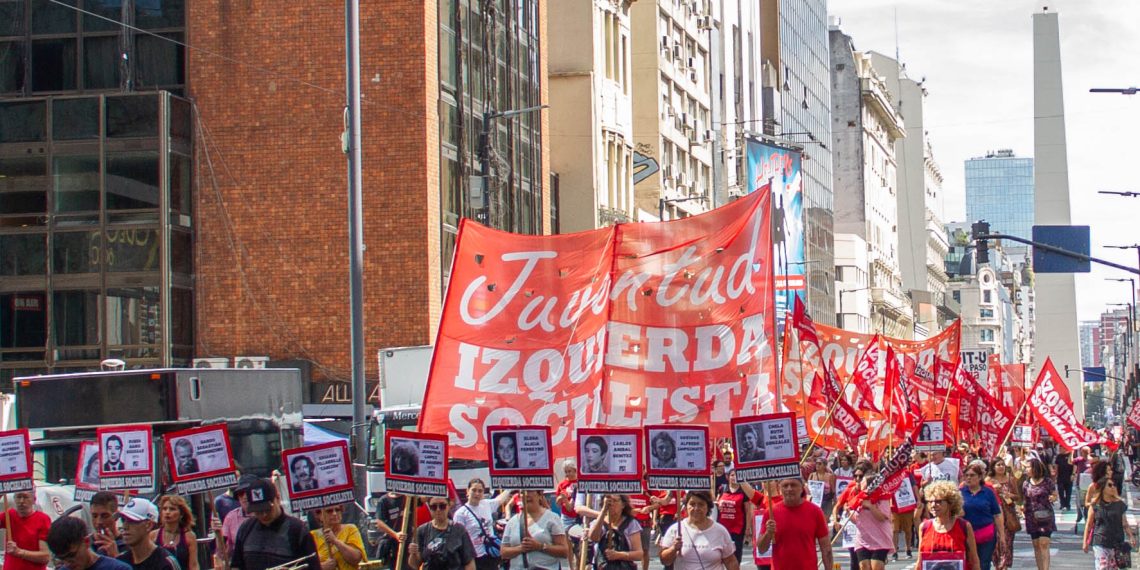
column 139, row 510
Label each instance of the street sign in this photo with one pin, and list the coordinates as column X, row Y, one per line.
column 1069, row 238
column 976, row 361
column 1093, row 373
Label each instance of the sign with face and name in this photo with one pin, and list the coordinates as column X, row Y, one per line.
column 15, row 461
column 126, row 457
column 609, row 460
column 520, row 457
column 416, row 463
column 1023, row 436
column 766, row 447
column 932, row 436
column 678, row 457
column 200, row 458
column 317, row 476
column 87, row 472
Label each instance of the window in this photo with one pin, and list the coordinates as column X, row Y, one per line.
column 23, row 254
column 986, row 335
column 987, row 296
column 23, row 185
column 987, row 313
column 23, row 318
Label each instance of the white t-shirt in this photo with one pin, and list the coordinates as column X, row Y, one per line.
column 548, row 526
column 700, row 549
column 468, row 521
column 945, row 471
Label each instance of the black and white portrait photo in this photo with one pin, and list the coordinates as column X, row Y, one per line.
column 303, row 474
column 405, row 457
column 662, row 451
column 506, row 450
column 595, row 455
column 749, row 443
column 185, row 462
column 113, row 454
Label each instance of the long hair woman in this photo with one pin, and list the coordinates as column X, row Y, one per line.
column 1040, row 519
column 1107, row 525
column 946, row 534
column 616, row 535
column 1009, row 493
column 174, row 531
column 697, row 542
column 734, row 512
column 477, row 516
column 338, row 544
column 535, row 534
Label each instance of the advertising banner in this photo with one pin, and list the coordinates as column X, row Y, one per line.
column 417, row 463
column 520, row 458
column 126, row 457
column 766, row 447
column 15, row 461
column 609, row 460
column 678, row 457
column 320, row 475
column 632, row 325
column 778, row 168
column 200, row 458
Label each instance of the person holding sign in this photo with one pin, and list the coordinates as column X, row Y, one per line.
column 339, row 545
column 477, row 516
column 27, row 547
column 795, row 523
column 697, row 542
column 270, row 537
column 535, row 537
column 947, row 535
column 616, row 536
column 440, row 544
column 734, row 512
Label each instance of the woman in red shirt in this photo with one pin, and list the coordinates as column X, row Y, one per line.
column 734, row 512
column 947, row 535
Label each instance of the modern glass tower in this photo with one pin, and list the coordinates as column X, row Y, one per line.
column 999, row 190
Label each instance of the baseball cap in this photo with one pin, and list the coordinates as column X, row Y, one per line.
column 261, row 496
column 244, row 482
column 139, row 510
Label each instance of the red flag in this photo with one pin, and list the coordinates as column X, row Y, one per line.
column 891, row 477
column 994, row 422
column 843, row 418
column 897, row 395
column 1053, row 406
column 805, row 327
column 866, row 374
column 1134, row 415
column 969, row 393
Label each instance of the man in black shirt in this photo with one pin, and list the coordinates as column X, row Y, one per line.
column 139, row 518
column 271, row 537
column 1064, row 464
column 389, row 520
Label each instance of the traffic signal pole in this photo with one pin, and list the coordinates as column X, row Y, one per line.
column 1056, row 250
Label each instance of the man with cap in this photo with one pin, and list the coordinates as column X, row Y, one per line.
column 233, row 520
column 71, row 545
column 139, row 517
column 270, row 537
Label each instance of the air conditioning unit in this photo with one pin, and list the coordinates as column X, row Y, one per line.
column 211, row 363
column 678, row 52
column 250, row 361
column 710, row 136
column 684, row 120
column 692, row 75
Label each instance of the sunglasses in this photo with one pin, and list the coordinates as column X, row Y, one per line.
column 437, row 506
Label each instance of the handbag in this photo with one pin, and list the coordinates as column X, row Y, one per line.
column 1124, row 555
column 492, row 544
column 1012, row 521
column 1043, row 515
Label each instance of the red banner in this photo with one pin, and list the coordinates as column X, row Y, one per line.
column 625, row 326
column 1134, row 414
column 1053, row 406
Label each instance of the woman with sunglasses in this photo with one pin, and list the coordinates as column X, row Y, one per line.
column 697, row 542
column 440, row 544
column 611, row 550
column 535, row 535
column 1107, row 525
column 338, row 545
column 1040, row 519
column 947, row 534
column 983, row 511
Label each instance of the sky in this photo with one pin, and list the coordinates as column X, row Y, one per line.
column 977, row 58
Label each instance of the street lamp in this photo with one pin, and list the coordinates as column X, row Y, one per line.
column 1132, row 288
column 1120, row 90
column 1133, row 246
column 840, row 293
column 485, row 151
column 1126, row 194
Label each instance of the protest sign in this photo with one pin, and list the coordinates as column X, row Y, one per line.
column 318, row 475
column 520, row 457
column 678, row 457
column 126, row 457
column 932, row 436
column 1023, row 436
column 609, row 460
column 905, row 499
column 815, row 488
column 630, row 325
column 416, row 463
column 200, row 458
column 15, row 461
column 766, row 447
column 86, row 472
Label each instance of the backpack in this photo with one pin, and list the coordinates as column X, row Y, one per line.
column 617, row 540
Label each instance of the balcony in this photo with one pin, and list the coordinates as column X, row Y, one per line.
column 611, row 216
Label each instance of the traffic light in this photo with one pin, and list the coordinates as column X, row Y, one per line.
column 981, row 246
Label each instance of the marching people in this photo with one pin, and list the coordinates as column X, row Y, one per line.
column 440, row 544
column 696, row 542
column 106, row 539
column 339, row 545
column 1107, row 526
column 643, row 510
column 1063, row 467
column 983, row 511
column 564, row 496
column 174, row 531
column 734, row 513
column 616, row 536
column 227, row 530
column 1009, row 492
column 139, row 517
column 270, row 537
column 946, row 533
column 796, row 525
column 26, row 547
column 822, row 473
column 1040, row 519
column 874, row 540
column 534, row 537
column 73, row 549
column 841, row 507
column 389, row 521
column 477, row 517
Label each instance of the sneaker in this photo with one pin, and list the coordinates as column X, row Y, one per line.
column 896, row 556
column 909, row 556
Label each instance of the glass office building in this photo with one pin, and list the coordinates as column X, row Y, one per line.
column 999, row 190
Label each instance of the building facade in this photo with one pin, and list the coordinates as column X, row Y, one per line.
column 672, row 106
column 999, row 190
column 1090, row 343
column 864, row 131
column 173, row 211
column 591, row 115
column 853, row 283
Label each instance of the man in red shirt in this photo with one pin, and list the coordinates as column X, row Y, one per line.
column 27, row 547
column 795, row 523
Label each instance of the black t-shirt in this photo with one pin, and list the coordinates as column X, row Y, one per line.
column 449, row 549
column 160, row 559
column 389, row 510
column 286, row 539
column 1064, row 466
column 1109, row 521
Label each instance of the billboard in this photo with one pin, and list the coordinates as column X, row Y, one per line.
column 779, row 166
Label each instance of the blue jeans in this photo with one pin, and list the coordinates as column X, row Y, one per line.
column 986, row 553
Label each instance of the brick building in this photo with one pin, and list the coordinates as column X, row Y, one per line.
column 245, row 155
